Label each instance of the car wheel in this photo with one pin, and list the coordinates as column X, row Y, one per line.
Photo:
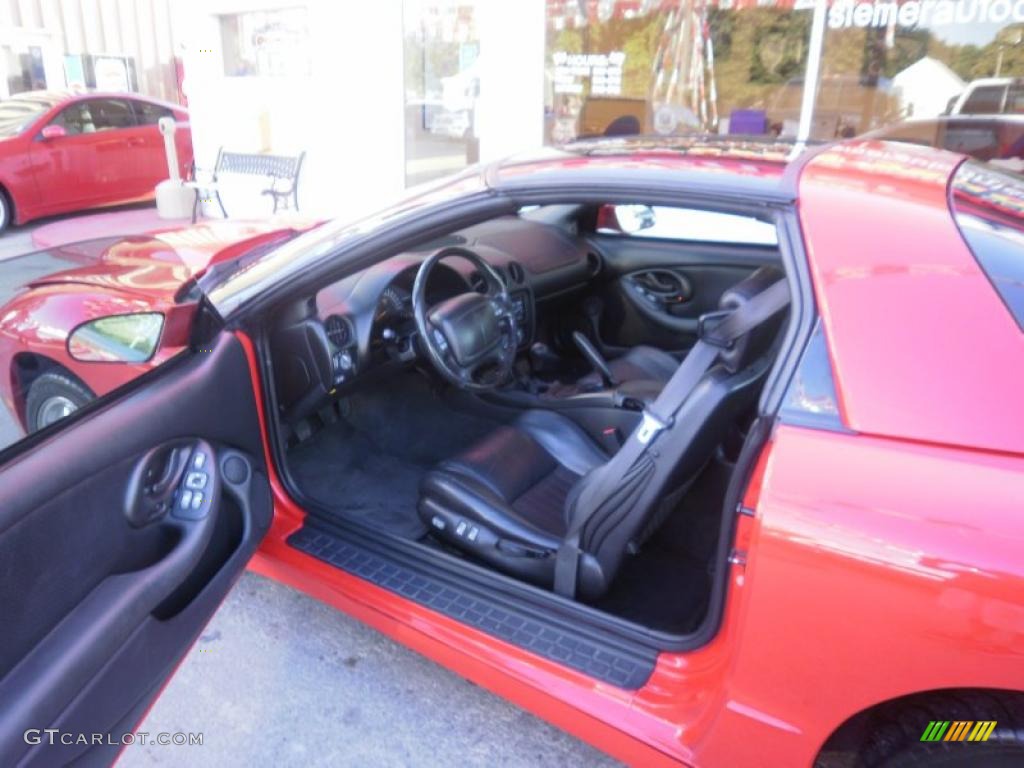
column 959, row 755
column 895, row 733
column 5, row 211
column 51, row 397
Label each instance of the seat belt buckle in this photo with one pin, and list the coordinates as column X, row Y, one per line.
column 704, row 333
column 650, row 426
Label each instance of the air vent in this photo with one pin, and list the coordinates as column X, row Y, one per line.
column 339, row 331
column 516, row 273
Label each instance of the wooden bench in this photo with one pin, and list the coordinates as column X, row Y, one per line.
column 282, row 171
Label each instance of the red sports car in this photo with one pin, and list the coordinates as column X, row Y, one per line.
column 708, row 452
column 62, row 152
column 47, row 295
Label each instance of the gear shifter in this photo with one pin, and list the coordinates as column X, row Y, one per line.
column 589, row 351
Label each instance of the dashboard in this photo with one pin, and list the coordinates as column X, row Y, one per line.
column 363, row 324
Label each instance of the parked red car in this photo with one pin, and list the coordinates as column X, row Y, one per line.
column 715, row 501
column 62, row 152
column 64, row 287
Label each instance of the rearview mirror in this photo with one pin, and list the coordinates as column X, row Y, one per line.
column 117, row 339
column 53, row 132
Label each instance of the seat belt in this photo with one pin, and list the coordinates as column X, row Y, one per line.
column 660, row 415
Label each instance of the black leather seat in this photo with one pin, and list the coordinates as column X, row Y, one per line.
column 510, row 500
column 511, row 488
column 641, row 362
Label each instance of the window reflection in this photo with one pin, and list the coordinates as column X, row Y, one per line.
column 442, row 85
column 741, row 66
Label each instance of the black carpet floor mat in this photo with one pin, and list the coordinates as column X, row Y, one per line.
column 368, row 465
column 344, row 472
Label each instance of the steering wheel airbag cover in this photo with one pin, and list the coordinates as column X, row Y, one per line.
column 469, row 324
column 470, row 333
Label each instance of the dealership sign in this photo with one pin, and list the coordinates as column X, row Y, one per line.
column 923, row 13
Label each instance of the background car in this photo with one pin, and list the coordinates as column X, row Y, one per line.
column 66, row 151
column 53, row 361
column 989, row 96
column 998, row 139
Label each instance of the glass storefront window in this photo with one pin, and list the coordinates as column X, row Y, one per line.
column 617, row 67
column 24, row 68
column 918, row 59
column 442, row 85
column 722, row 66
column 266, row 43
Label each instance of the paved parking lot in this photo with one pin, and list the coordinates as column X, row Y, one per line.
column 278, row 678
column 281, row 679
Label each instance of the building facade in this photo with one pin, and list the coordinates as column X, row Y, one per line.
column 103, row 44
column 388, row 94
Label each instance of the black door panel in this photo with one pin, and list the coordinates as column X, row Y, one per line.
column 109, row 567
column 655, row 290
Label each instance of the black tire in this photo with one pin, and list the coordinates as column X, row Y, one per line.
column 46, row 390
column 6, row 211
column 893, row 736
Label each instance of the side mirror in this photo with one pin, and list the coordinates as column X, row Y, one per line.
column 624, row 219
column 117, row 339
column 53, row 132
column 634, row 218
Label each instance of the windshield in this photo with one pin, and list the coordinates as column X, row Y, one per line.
column 227, row 290
column 17, row 113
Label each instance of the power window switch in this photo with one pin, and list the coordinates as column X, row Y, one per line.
column 186, row 499
column 197, row 500
column 199, row 460
column 460, row 529
column 473, row 533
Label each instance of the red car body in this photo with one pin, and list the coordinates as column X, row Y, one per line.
column 881, row 562
column 112, row 277
column 881, row 555
column 88, row 167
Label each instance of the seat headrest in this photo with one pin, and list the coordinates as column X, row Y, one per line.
column 751, row 346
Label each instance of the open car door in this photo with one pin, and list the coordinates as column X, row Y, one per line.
column 121, row 531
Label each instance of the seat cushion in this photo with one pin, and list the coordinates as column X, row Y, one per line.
column 639, row 363
column 514, row 482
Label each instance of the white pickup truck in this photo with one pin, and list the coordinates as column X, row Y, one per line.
column 989, row 96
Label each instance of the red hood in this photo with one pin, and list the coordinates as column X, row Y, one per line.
column 155, row 265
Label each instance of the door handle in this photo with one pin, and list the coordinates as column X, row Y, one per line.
column 155, row 481
column 658, row 295
column 662, row 287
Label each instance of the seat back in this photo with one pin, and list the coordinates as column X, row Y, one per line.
column 611, row 524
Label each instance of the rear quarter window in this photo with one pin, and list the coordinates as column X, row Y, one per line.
column 988, row 205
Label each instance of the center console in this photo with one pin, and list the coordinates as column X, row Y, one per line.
column 522, row 309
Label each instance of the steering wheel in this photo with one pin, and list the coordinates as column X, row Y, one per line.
column 470, row 338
